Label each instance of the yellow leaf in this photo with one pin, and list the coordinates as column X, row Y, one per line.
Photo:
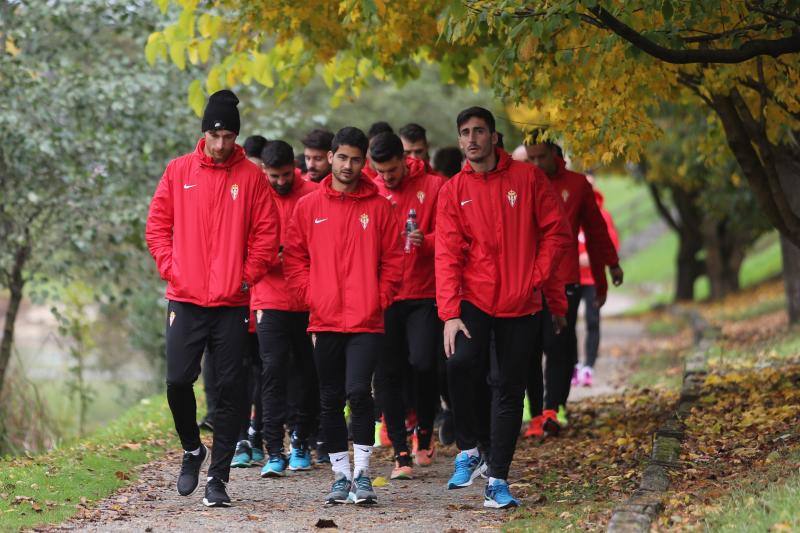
column 203, row 50
column 11, row 48
column 193, row 53
column 209, row 26
column 197, row 99
column 162, row 5
column 213, row 83
column 177, row 53
column 154, row 41
column 379, row 481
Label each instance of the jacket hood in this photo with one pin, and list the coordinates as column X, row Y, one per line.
column 365, row 188
column 235, row 157
column 416, row 169
column 598, row 197
column 503, row 163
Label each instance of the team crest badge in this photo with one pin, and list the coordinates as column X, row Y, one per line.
column 364, row 219
column 512, row 197
column 171, row 317
column 565, row 195
column 234, row 191
column 259, row 314
column 420, row 196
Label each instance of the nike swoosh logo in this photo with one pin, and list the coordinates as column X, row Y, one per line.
column 340, row 459
column 465, row 202
column 319, row 220
column 189, row 186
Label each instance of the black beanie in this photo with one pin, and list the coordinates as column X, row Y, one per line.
column 221, row 112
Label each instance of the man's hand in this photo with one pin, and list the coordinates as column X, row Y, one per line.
column 559, row 323
column 616, row 275
column 245, row 287
column 599, row 301
column 451, row 329
column 583, row 260
column 416, row 237
column 280, row 253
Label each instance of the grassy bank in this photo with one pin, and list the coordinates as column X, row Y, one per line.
column 49, row 488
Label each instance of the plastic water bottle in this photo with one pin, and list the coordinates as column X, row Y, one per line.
column 411, row 226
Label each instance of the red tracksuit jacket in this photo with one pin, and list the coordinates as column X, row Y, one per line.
column 419, row 190
column 581, row 209
column 272, row 292
column 344, row 258
column 212, row 226
column 587, row 278
column 498, row 236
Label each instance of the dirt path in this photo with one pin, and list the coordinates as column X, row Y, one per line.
column 294, row 502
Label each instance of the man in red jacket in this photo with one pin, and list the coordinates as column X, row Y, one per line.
column 487, row 283
column 577, row 197
column 213, row 231
column 281, row 323
column 316, row 145
column 412, row 327
column 344, row 259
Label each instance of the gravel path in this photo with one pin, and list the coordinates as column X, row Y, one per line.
column 294, row 503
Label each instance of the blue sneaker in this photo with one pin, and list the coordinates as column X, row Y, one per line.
column 243, row 456
column 361, row 491
column 275, row 467
column 497, row 496
column 340, row 491
column 258, row 456
column 300, row 458
column 466, row 470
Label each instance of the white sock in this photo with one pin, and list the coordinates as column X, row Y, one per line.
column 340, row 463
column 493, row 479
column 472, row 452
column 196, row 452
column 361, row 455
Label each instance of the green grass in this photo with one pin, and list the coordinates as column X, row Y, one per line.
column 46, row 489
column 629, row 203
column 758, row 505
column 653, row 266
column 659, row 369
column 784, row 345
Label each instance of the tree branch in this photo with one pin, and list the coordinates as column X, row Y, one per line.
column 748, row 50
column 775, row 14
column 663, row 210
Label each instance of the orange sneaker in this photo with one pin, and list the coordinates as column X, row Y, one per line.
column 535, row 427
column 423, row 457
column 550, row 423
column 402, row 467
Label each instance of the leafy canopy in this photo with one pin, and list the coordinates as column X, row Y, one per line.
column 579, row 65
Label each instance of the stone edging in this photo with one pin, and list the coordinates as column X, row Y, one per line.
column 641, row 509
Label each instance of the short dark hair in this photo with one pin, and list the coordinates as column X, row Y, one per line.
column 318, row 139
column 300, row 162
column 448, row 161
column 277, row 154
column 476, row 112
column 350, row 136
column 413, row 132
column 378, row 127
column 254, row 145
column 385, row 146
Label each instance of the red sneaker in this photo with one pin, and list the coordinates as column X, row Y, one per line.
column 550, row 423
column 535, row 427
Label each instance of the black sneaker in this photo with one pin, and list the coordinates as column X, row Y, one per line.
column 322, row 456
column 215, row 494
column 447, row 434
column 189, row 477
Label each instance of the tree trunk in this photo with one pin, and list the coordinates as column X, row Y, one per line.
column 791, row 278
column 15, row 285
column 689, row 268
column 789, row 170
column 725, row 252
